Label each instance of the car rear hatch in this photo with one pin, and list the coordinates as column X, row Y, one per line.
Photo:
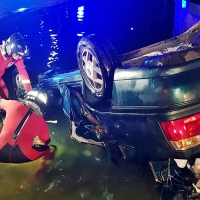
column 171, row 94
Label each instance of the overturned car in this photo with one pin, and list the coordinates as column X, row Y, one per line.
column 147, row 100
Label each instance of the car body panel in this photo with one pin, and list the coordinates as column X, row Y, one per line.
column 133, row 122
column 143, row 96
column 68, row 78
column 158, row 87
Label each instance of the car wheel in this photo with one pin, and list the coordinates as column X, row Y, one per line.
column 19, row 84
column 97, row 60
column 19, row 90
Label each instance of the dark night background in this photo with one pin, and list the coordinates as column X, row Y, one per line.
column 128, row 24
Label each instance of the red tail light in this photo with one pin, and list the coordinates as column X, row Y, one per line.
column 183, row 133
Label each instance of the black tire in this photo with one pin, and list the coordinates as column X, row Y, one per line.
column 18, row 86
column 97, row 61
column 19, row 89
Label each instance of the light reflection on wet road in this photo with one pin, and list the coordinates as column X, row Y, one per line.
column 78, row 171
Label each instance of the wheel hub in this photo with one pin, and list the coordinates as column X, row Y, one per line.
column 91, row 70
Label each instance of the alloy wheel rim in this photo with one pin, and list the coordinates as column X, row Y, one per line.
column 92, row 72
